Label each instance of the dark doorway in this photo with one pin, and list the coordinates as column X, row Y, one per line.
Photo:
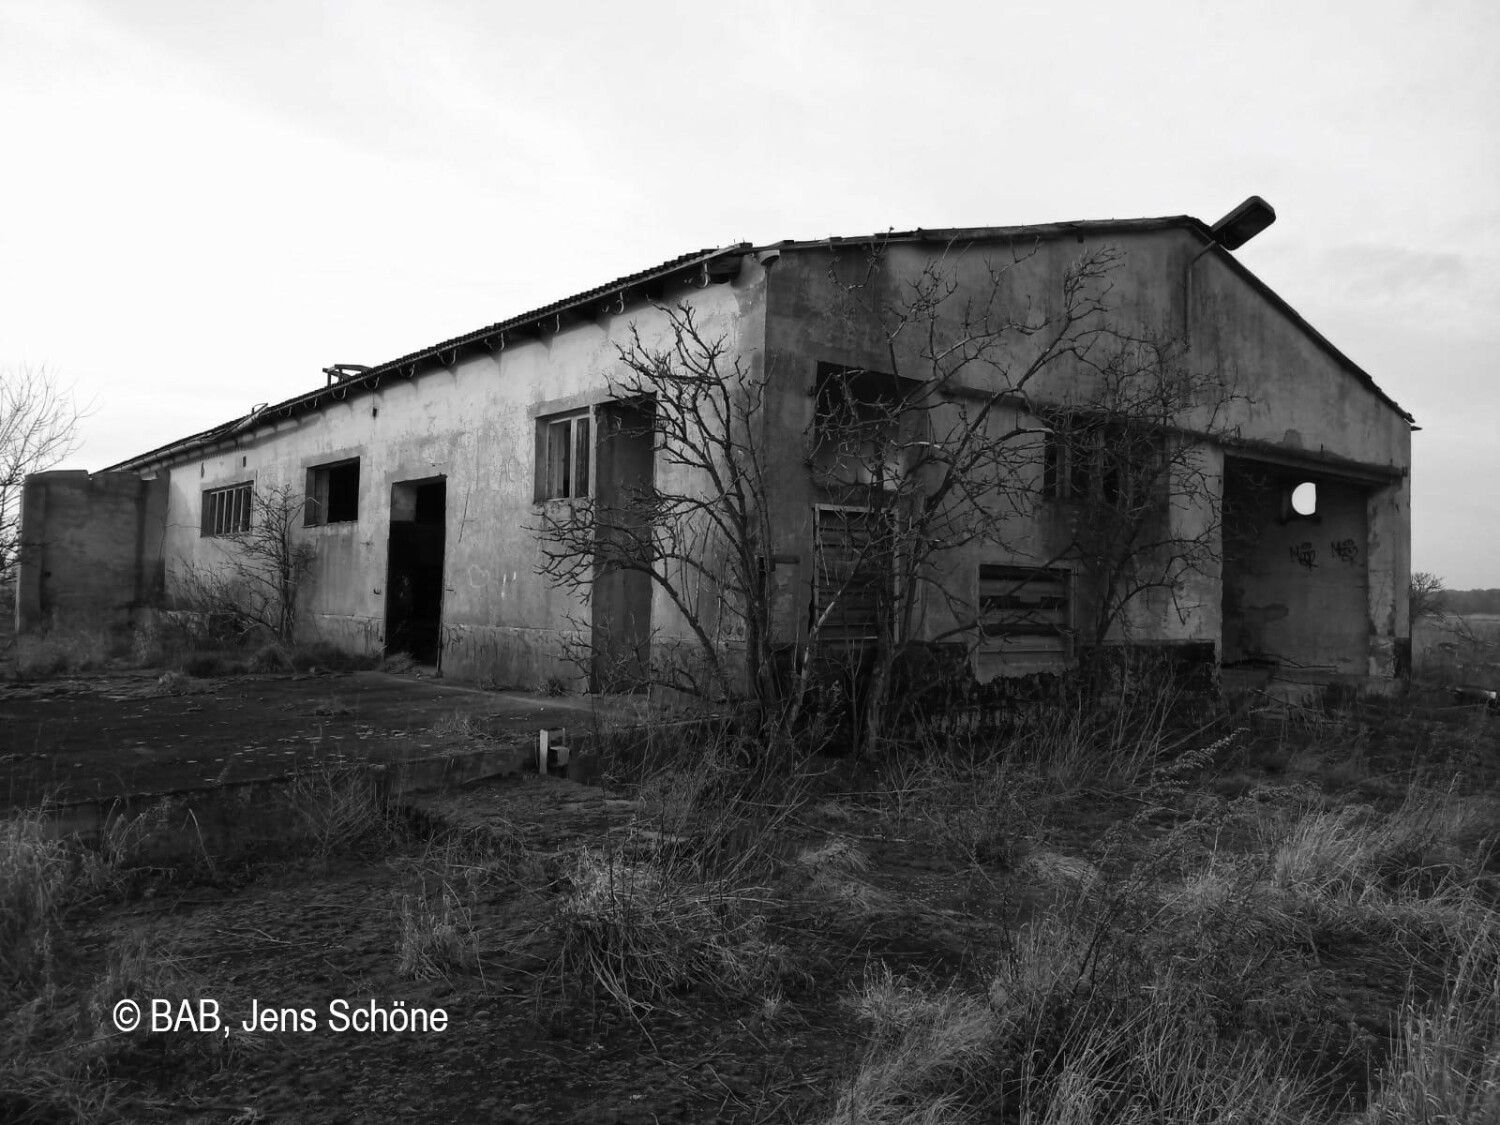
column 414, row 574
column 621, row 599
column 1296, row 574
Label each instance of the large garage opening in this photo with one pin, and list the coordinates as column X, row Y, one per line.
column 414, row 575
column 1296, row 581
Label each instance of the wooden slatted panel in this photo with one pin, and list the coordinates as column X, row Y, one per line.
column 1024, row 613
column 851, row 574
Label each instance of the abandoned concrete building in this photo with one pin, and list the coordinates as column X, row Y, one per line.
column 422, row 479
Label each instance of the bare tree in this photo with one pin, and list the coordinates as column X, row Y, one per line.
column 939, row 451
column 704, row 544
column 257, row 582
column 1428, row 595
column 38, row 428
column 1126, row 467
column 957, row 440
column 927, row 470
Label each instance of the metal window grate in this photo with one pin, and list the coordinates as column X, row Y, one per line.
column 226, row 511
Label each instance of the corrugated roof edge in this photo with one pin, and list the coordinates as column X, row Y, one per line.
column 339, row 391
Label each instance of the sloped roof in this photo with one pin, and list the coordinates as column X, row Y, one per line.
column 410, row 363
column 685, row 266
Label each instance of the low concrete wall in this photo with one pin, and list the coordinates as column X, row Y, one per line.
column 90, row 549
column 230, row 819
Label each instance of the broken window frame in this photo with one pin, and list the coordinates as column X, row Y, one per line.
column 857, row 413
column 320, row 507
column 226, row 511
column 1076, row 469
column 564, row 456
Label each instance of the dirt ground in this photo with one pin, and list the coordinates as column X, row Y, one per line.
column 518, row 1049
column 947, row 877
column 106, row 735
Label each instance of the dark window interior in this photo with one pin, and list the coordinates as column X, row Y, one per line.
column 333, row 493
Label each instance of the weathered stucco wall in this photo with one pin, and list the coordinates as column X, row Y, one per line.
column 476, row 426
column 91, row 549
column 1294, row 400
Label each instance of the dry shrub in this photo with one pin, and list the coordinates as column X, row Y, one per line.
column 1152, row 1069
column 1413, row 874
column 974, row 805
column 339, row 808
column 436, row 928
column 457, row 725
column 927, row 1052
column 398, row 664
column 831, row 880
column 1072, row 1031
column 681, row 904
column 435, row 934
column 1435, row 838
column 639, row 931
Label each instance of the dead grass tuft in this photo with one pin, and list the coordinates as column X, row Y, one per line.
column 340, row 808
column 1446, row 1066
column 36, row 876
column 435, row 935
column 638, row 932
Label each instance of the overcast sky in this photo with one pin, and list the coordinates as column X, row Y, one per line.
column 203, row 204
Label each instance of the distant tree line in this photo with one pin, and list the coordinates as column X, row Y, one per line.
column 1471, row 601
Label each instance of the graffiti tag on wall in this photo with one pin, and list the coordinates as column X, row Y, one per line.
column 1345, row 550
column 1305, row 555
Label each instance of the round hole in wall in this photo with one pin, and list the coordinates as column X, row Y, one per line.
column 1305, row 499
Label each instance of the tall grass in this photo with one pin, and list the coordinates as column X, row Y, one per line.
column 678, row 900
column 1446, row 1066
column 36, row 876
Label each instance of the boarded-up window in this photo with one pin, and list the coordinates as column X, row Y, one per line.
column 1024, row 616
column 854, row 576
column 226, row 511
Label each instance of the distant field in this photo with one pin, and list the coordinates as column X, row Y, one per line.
column 1461, row 648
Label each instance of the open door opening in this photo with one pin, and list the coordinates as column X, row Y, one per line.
column 414, row 572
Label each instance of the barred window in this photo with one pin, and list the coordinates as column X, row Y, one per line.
column 226, row 511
